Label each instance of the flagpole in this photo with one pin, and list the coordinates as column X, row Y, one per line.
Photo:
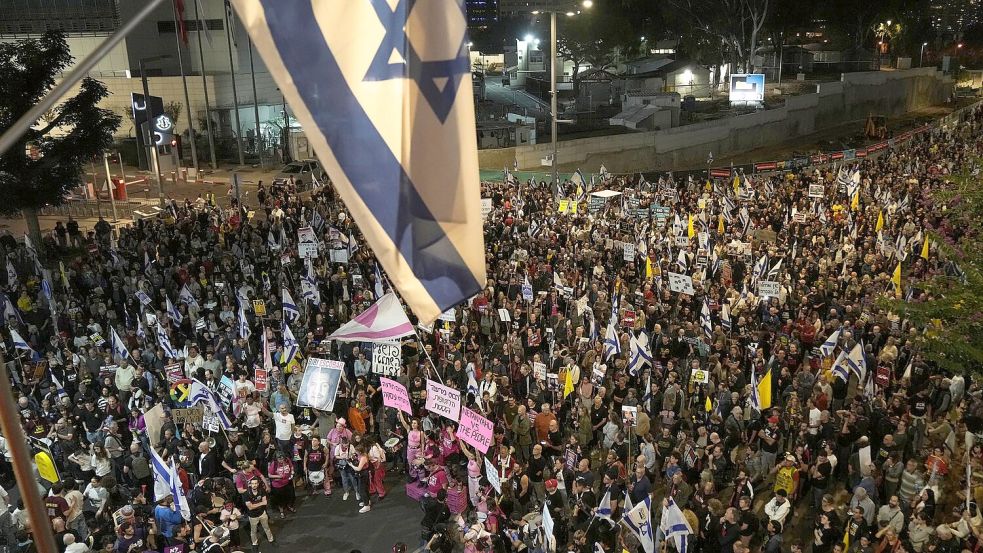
column 204, row 87
column 26, row 482
column 178, row 25
column 229, row 22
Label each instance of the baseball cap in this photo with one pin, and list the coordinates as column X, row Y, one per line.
column 773, row 419
column 552, row 484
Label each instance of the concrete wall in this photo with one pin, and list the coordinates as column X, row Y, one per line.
column 851, row 99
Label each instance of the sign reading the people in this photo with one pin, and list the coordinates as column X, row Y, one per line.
column 386, row 359
column 475, row 430
column 443, row 401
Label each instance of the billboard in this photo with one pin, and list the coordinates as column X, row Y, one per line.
column 746, row 88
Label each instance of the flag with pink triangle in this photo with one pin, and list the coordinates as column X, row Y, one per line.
column 385, row 321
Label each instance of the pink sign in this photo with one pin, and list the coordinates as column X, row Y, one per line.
column 475, row 430
column 394, row 395
column 443, row 400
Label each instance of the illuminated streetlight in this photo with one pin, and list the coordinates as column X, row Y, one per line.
column 570, row 14
column 587, row 3
column 528, row 38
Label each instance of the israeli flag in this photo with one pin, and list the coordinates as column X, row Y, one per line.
column 162, row 475
column 674, row 525
column 638, row 519
column 383, row 98
column 180, row 500
column 9, row 309
column 639, row 354
column 705, row 321
column 755, row 400
column 172, row 312
column 57, row 383
column 604, row 507
column 308, row 287
column 830, row 344
column 141, row 332
column 857, row 361
column 725, row 316
column 187, row 297
column 201, row 394
column 120, row 351
column 165, row 342
column 612, row 345
column 840, row 368
column 290, row 312
column 290, row 344
column 379, row 290
column 243, row 322
column 11, row 274
column 19, row 342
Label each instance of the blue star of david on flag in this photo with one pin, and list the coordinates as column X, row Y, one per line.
column 425, row 73
column 379, row 87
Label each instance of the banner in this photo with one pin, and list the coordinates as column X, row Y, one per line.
column 320, row 384
column 492, row 475
column 394, row 395
column 475, row 430
column 387, row 359
column 443, row 400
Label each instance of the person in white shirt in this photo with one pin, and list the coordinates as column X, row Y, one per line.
column 778, row 508
column 284, row 423
column 71, row 546
column 193, row 362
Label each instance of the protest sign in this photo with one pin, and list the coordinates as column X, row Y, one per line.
column 449, row 316
column 386, row 359
column 628, row 318
column 539, row 370
column 815, row 191
column 394, row 395
column 143, row 297
column 486, row 207
column 629, row 415
column 681, row 283
column 320, row 384
column 259, row 307
column 701, row 377
column 306, row 243
column 491, row 473
column 443, row 400
column 629, row 251
column 261, row 379
column 475, row 430
column 184, row 416
column 768, row 288
column 226, row 391
column 504, row 316
column 681, row 241
column 563, row 206
column 174, row 372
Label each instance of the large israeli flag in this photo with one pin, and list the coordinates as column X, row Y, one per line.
column 383, row 90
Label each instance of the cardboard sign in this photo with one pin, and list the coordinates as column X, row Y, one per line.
column 491, row 473
column 259, row 307
column 387, row 359
column 319, row 387
column 443, row 400
column 701, row 377
column 475, row 430
column 681, row 283
column 816, row 190
column 539, row 370
column 768, row 288
column 191, row 415
column 629, row 251
column 394, row 395
column 261, row 379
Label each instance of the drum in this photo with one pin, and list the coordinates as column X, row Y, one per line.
column 315, row 477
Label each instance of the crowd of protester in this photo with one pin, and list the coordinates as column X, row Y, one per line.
column 838, row 459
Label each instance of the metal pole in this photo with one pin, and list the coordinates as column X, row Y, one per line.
column 204, row 87
column 14, row 132
column 553, row 110
column 781, row 56
column 109, row 184
column 122, row 174
column 921, row 56
column 252, row 74
column 184, row 81
column 26, row 481
column 154, row 161
column 235, row 92
column 286, row 130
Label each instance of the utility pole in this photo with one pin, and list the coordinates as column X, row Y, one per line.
column 229, row 22
column 184, row 81
column 204, row 87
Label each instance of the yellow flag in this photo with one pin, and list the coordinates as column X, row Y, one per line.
column 64, row 277
column 896, row 279
column 708, row 405
column 764, row 391
column 925, row 248
column 708, row 186
column 737, row 184
column 880, row 222
column 691, row 232
column 855, row 202
column 720, row 224
column 568, row 384
column 648, row 268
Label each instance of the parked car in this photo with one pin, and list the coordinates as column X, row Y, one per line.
column 303, row 171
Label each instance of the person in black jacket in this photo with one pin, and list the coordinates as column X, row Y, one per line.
column 435, row 512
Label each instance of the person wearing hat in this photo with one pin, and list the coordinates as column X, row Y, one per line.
column 770, row 440
column 786, row 475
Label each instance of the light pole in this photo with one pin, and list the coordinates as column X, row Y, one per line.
column 553, row 91
column 148, row 105
column 109, row 184
column 921, row 55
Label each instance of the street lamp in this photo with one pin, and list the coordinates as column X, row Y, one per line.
column 155, row 160
column 921, row 55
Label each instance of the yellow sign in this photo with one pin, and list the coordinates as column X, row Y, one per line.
column 46, row 467
column 564, row 205
column 259, row 307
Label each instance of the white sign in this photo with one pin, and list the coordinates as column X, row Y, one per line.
column 701, row 377
column 747, row 88
column 629, row 251
column 306, row 243
column 449, row 316
column 491, row 473
column 682, row 241
column 504, row 316
column 320, row 384
column 539, row 370
column 816, row 190
column 681, row 283
column 443, row 401
column 486, row 207
column 387, row 359
column 768, row 288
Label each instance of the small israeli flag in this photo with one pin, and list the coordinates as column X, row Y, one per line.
column 290, row 312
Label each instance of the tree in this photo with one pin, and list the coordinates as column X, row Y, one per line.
column 595, row 39
column 948, row 304
column 737, row 24
column 27, row 182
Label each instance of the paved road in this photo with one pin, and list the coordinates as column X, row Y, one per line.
column 328, row 524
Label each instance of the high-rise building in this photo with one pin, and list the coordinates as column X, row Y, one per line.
column 520, row 7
